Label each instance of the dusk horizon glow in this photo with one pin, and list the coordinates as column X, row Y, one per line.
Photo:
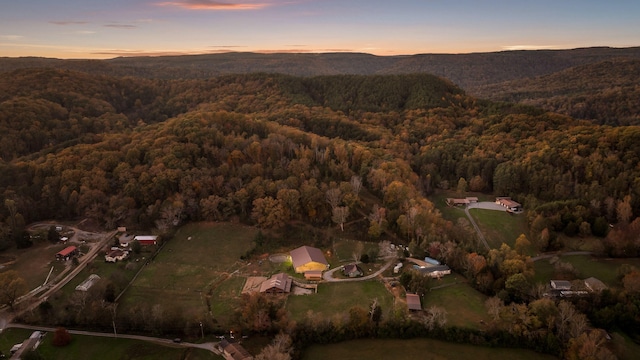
column 91, row 29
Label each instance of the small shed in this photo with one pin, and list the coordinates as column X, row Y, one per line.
column 413, row 302
column 313, row 275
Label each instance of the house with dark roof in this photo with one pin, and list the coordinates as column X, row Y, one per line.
column 277, row 284
column 413, row 302
column 307, row 258
column 232, row 350
column 352, row 270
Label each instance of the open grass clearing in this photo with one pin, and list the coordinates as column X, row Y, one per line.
column 499, row 226
column 34, row 263
column 337, row 298
column 192, row 266
column 605, row 269
column 411, row 349
column 464, row 304
column 225, row 297
column 97, row 348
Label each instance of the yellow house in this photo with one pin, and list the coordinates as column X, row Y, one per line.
column 307, row 258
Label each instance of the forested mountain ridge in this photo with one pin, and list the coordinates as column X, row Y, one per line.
column 267, row 148
column 606, row 92
column 468, row 71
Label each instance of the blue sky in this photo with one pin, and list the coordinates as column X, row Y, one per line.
column 110, row 28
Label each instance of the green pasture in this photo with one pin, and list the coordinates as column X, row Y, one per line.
column 411, row 349
column 605, row 269
column 97, row 348
column 225, row 297
column 500, row 227
column 191, row 266
column 10, row 337
column 338, row 297
column 464, row 304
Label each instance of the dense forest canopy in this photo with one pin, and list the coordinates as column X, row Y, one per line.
column 146, row 151
column 605, row 92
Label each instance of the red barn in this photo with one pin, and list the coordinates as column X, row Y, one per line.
column 67, row 253
column 146, row 239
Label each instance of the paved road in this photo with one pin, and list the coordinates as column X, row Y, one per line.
column 328, row 275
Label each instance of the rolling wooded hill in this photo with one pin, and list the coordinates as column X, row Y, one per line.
column 468, row 71
column 148, row 151
column 606, row 92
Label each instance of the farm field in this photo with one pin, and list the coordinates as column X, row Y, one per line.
column 499, row 226
column 339, row 297
column 201, row 257
column 97, row 348
column 410, row 349
column 464, row 305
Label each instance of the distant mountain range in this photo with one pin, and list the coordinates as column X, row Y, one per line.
column 469, row 71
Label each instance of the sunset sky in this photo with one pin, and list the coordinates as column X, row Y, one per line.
column 111, row 28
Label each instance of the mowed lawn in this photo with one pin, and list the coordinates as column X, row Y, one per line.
column 464, row 304
column 412, row 349
column 500, row 227
column 200, row 257
column 338, row 297
column 97, row 348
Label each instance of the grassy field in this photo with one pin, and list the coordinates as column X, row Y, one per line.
column 499, row 226
column 33, row 264
column 201, row 257
column 97, row 348
column 587, row 266
column 336, row 298
column 411, row 349
column 464, row 305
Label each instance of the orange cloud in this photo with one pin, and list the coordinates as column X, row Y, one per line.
column 213, row 5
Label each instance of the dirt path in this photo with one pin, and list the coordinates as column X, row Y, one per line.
column 328, row 275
